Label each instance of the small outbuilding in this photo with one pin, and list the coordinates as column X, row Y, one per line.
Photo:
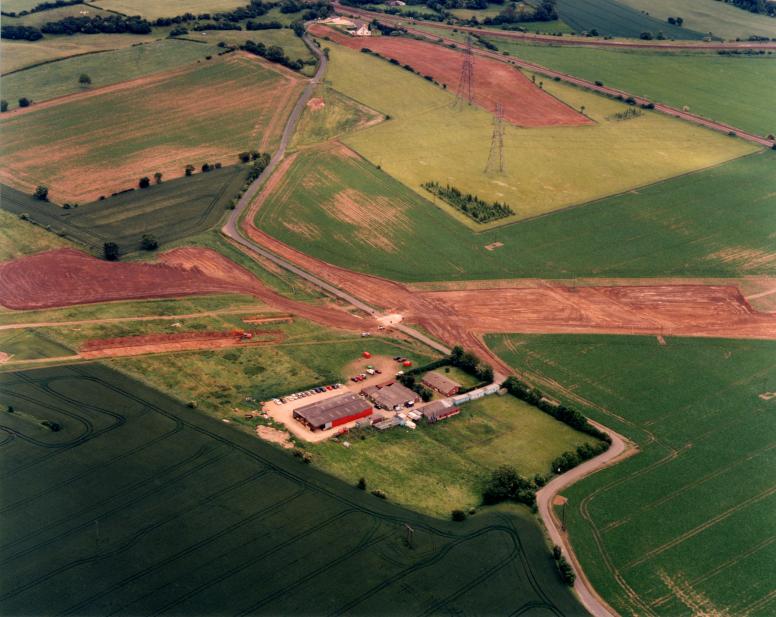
column 333, row 411
column 441, row 383
column 439, row 410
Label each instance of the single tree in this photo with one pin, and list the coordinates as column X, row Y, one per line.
column 205, row 167
column 24, row 102
column 111, row 251
column 149, row 242
column 41, row 193
column 3, row 106
column 85, row 80
column 144, row 182
column 189, row 169
column 362, row 484
column 244, row 157
column 158, row 177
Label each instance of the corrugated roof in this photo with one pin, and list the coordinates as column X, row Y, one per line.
column 440, row 382
column 438, row 409
column 392, row 395
column 330, row 409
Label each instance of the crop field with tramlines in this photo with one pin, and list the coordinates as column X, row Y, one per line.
column 684, row 525
column 109, row 138
column 166, row 511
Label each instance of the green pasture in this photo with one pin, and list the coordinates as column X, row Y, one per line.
column 60, row 78
column 152, row 9
column 728, row 89
column 134, row 308
column 169, row 211
column 719, row 18
column 615, row 18
column 39, row 18
column 30, row 343
column 177, row 512
column 292, row 45
column 219, row 380
column 685, row 525
column 441, row 467
column 16, row 55
column 717, row 222
column 546, row 169
column 209, row 114
column 462, row 377
column 19, row 237
column 339, row 115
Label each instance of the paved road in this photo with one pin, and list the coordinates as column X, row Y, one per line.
column 619, row 450
column 578, row 41
column 543, row 70
column 232, row 226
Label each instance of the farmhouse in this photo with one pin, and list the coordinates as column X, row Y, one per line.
column 441, row 383
column 332, row 412
column 439, row 410
column 360, row 28
column 390, row 396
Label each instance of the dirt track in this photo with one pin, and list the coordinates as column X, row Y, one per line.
column 494, row 82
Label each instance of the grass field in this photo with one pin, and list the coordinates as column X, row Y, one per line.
column 60, row 78
column 210, row 112
column 692, row 79
column 686, row 525
column 712, row 223
column 31, row 343
column 441, row 467
column 545, row 168
column 719, row 18
column 162, row 509
column 39, row 18
column 18, row 237
column 339, row 115
column 152, row 9
column 15, row 55
column 613, row 18
column 169, row 211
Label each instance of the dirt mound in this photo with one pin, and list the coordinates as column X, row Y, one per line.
column 494, row 82
column 64, row 277
column 316, row 104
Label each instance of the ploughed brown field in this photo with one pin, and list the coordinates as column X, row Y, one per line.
column 525, row 104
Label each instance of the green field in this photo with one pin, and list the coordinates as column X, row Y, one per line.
column 15, row 55
column 719, row 18
column 39, row 18
column 686, row 526
column 691, row 79
column 441, row 467
column 169, row 211
column 162, row 509
column 340, row 114
column 60, row 78
column 209, row 112
column 18, row 237
column 29, row 343
column 614, row 18
column 152, row 9
column 546, row 169
column 713, row 223
column 219, row 380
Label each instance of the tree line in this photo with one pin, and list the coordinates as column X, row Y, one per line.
column 471, row 205
column 43, row 6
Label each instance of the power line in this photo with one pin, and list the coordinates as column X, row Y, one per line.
column 465, row 92
column 495, row 162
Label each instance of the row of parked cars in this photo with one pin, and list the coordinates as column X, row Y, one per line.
column 369, row 372
column 297, row 395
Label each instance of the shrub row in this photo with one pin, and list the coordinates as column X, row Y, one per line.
column 471, row 205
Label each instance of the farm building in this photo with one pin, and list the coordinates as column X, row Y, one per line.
column 439, row 410
column 332, row 412
column 360, row 28
column 390, row 396
column 441, row 383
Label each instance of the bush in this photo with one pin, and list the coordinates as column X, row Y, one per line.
column 3, row 106
column 505, row 484
column 144, row 182
column 205, row 167
column 458, row 515
column 556, row 554
column 380, row 494
column 111, row 251
column 303, row 455
column 599, row 83
column 149, row 242
column 361, row 484
column 24, row 102
column 189, row 169
column 244, row 157
column 191, row 404
column 158, row 177
column 41, row 193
